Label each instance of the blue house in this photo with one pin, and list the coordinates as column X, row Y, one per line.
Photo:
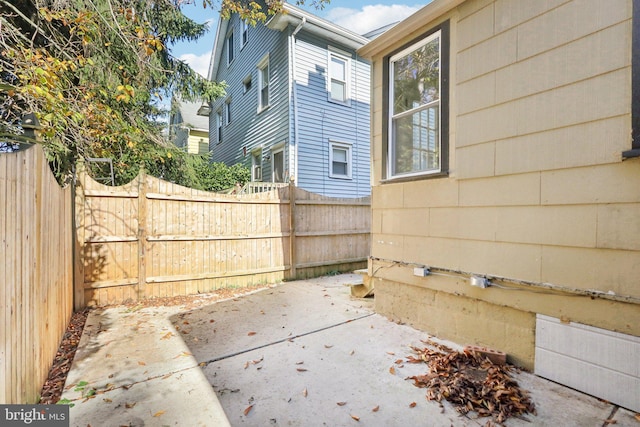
column 296, row 105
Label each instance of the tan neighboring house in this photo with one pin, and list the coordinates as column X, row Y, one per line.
column 506, row 183
column 189, row 130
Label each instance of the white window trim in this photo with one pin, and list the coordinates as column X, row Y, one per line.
column 219, row 120
column 390, row 146
column 244, row 29
column 256, row 154
column 262, row 64
column 336, row 53
column 230, row 42
column 247, row 80
column 227, row 112
column 349, row 148
column 278, row 148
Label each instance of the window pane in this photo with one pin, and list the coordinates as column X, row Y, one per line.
column 338, row 91
column 416, row 77
column 338, row 70
column 416, row 143
column 339, row 168
column 339, row 155
column 278, row 166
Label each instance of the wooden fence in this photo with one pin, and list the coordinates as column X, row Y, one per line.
column 36, row 293
column 151, row 238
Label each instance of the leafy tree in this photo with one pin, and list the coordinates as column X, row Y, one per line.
column 94, row 72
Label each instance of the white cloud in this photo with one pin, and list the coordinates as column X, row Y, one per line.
column 369, row 17
column 200, row 63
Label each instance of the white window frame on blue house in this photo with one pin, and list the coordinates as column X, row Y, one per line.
column 219, row 125
column 263, row 83
column 227, row 111
column 347, row 161
column 230, row 48
column 256, row 165
column 335, row 80
column 244, row 32
column 275, row 150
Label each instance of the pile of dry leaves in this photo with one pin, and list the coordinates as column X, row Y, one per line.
column 52, row 388
column 471, row 383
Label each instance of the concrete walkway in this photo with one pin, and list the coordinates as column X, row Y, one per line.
column 302, row 353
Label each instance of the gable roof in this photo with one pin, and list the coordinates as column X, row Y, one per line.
column 190, row 118
column 290, row 15
column 411, row 24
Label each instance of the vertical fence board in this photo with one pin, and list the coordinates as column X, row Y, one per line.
column 36, row 230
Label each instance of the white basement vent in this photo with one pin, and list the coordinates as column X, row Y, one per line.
column 595, row 361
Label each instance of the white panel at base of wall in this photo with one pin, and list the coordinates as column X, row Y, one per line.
column 596, row 361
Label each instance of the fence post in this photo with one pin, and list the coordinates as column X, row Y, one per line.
column 292, row 228
column 142, row 232
column 78, row 198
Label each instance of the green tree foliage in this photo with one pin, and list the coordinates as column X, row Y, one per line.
column 94, row 71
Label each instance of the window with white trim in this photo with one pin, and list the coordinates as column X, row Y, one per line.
column 244, row 30
column 230, row 50
column 338, row 77
column 277, row 165
column 263, row 83
column 227, row 112
column 340, row 160
column 219, row 125
column 417, row 105
column 256, row 165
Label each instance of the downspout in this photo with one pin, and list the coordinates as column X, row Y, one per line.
column 295, row 99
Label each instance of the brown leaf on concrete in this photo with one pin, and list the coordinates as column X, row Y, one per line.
column 376, row 409
column 355, row 417
column 130, row 405
column 610, row 421
column 141, row 363
column 247, row 410
column 412, row 405
column 301, row 370
column 341, row 403
column 328, row 346
column 304, row 392
column 251, row 333
column 392, row 370
column 167, row 336
column 159, row 413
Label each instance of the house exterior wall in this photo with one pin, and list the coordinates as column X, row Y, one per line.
column 300, row 119
column 248, row 128
column 537, row 195
column 321, row 121
column 198, row 142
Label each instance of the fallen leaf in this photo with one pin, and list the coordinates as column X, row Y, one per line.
column 299, row 363
column 610, row 421
column 341, row 403
column 412, row 405
column 247, row 410
column 157, row 414
column 130, row 405
column 352, row 352
column 107, row 400
column 108, row 355
column 166, row 376
column 167, row 336
column 301, row 369
column 202, row 364
column 251, row 333
column 375, row 409
column 392, row 370
column 304, row 392
column 246, row 364
column 184, row 353
column 355, row 417
column 637, row 417
column 328, row 346
column 399, row 361
column 186, row 322
column 391, row 353
column 211, row 321
column 141, row 363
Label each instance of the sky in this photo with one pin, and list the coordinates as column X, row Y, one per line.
column 359, row 16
